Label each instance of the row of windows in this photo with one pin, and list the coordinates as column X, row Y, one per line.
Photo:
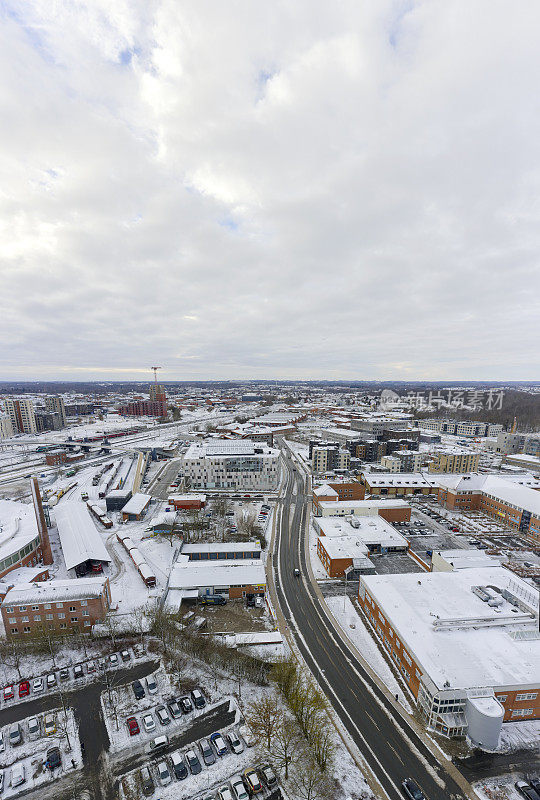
column 46, row 606
column 37, row 617
column 63, row 626
column 527, row 696
column 19, row 555
column 523, row 712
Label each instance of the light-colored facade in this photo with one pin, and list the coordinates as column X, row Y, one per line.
column 326, row 459
column 403, row 461
column 460, row 428
column 455, row 461
column 55, row 404
column 21, row 414
column 232, row 464
column 6, row 429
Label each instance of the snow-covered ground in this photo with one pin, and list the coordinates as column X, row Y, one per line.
column 353, row 626
column 500, row 788
column 519, row 736
column 319, row 571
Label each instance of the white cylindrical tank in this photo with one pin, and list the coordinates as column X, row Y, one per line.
column 484, row 717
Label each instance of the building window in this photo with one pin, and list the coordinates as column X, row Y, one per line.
column 72, row 608
column 14, row 630
column 62, row 625
column 84, row 602
column 37, row 618
column 26, row 629
column 35, row 608
column 48, row 616
column 61, row 616
column 86, row 613
column 59, row 605
column 87, row 622
column 12, row 621
column 527, row 696
column 25, row 619
column 22, row 608
column 47, row 605
column 74, row 619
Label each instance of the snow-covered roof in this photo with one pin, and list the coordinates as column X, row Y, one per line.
column 325, row 491
column 17, row 527
column 187, row 574
column 466, row 559
column 415, row 479
column 78, row 535
column 55, row 591
column 371, row 530
column 166, row 518
column 453, row 635
column 225, row 448
column 183, row 497
column 344, row 546
column 137, row 503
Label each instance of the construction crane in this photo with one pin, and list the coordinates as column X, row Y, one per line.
column 514, row 425
column 155, row 373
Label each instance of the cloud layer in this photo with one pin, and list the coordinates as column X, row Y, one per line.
column 312, row 190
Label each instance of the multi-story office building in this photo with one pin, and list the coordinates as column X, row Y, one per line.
column 376, row 425
column 455, row 461
column 21, row 414
column 526, row 443
column 60, row 605
column 6, row 429
column 466, row 643
column 231, row 464
column 55, row 404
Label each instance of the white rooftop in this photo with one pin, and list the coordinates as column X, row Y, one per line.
column 325, row 491
column 453, row 635
column 221, row 547
column 415, row 479
column 371, row 530
column 18, row 526
column 55, row 591
column 187, row 574
column 78, row 535
column 137, row 503
column 465, row 559
column 344, row 546
column 228, row 448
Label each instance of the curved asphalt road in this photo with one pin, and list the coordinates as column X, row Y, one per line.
column 390, row 747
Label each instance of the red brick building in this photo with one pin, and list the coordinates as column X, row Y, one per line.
column 66, row 605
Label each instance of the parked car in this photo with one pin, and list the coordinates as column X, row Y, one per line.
column 247, row 736
column 151, row 684
column 91, row 666
column 18, row 775
column 64, row 674
column 219, row 743
column 124, row 655
column 2, row 743
column 225, row 793
column 252, row 781
column 15, row 734
column 207, row 752
column 162, row 715
column 412, row 790
column 147, row 782
column 185, row 704
column 113, row 659
column 8, row 693
column 159, row 743
column 238, row 788
column 33, row 727
column 259, row 601
column 49, row 724
column 526, row 790
column 174, row 709
column 78, row 671
column 37, row 685
column 535, row 783
column 198, row 698
column 51, row 680
column 1, row 780
column 133, row 726
column 164, row 774
column 138, row 650
column 24, row 688
column 268, row 776
column 149, row 723
column 193, row 762
column 179, row 765
column 138, row 690
column 54, row 758
column 234, row 742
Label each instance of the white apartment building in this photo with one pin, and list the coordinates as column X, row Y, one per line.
column 6, row 429
column 404, row 461
column 232, row 464
column 327, row 459
column 21, row 414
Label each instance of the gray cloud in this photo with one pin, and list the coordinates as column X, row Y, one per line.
column 331, row 190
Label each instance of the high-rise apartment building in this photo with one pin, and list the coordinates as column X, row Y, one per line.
column 55, row 404
column 157, row 393
column 21, row 414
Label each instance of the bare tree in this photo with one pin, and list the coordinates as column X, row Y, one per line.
column 264, row 717
column 12, row 653
column 285, row 744
column 308, row 782
column 221, row 508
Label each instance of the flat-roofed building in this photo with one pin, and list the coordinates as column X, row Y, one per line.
column 397, row 484
column 455, row 461
column 466, row 642
column 391, row 510
column 232, row 464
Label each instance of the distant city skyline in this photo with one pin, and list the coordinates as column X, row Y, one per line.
column 323, row 191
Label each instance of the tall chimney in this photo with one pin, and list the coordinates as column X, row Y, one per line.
column 41, row 524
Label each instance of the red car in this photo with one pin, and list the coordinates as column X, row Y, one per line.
column 24, row 688
column 8, row 693
column 133, row 726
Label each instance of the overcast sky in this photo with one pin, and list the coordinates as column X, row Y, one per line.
column 291, row 189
